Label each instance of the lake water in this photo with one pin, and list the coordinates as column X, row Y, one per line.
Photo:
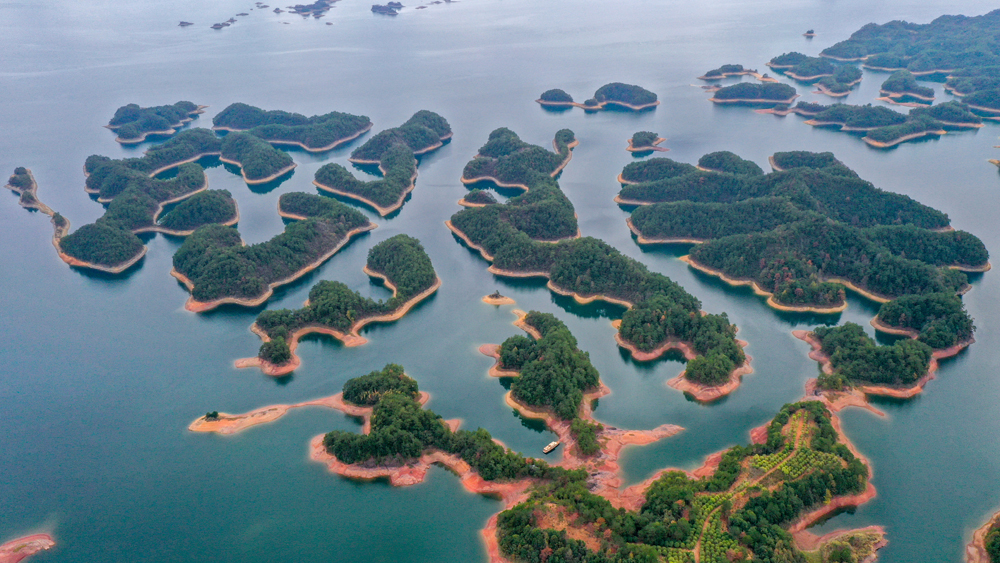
column 101, row 375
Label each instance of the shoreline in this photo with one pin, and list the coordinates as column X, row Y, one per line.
column 647, row 148
column 196, row 306
column 382, row 211
column 640, row 239
column 24, row 547
column 903, row 139
column 821, row 89
column 524, row 187
column 599, row 106
column 905, row 94
column 350, row 339
column 417, row 152
column 975, row 551
column 190, row 116
column 502, row 300
column 166, row 167
column 751, row 101
column 865, row 390
column 771, row 302
column 300, row 144
column 263, row 180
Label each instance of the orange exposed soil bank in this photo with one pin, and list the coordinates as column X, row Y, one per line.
column 349, row 339
column 331, row 146
column 382, row 211
column 643, row 240
column 647, row 148
column 879, row 390
column 880, row 145
column 264, row 180
column 21, row 548
column 490, row 300
column 201, row 306
column 975, row 552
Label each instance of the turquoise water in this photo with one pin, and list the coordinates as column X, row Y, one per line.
column 101, row 375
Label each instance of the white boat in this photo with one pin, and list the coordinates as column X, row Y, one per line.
column 550, row 447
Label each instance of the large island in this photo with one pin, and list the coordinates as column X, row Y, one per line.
column 613, row 95
column 318, row 133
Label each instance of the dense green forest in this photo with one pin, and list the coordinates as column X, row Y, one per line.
column 554, row 373
column 804, row 68
column 220, row 266
column 993, row 544
column 752, row 93
column 314, row 132
column 844, row 78
column 704, row 221
column 948, row 113
column 680, row 514
column 257, row 158
column 963, row 48
column 510, row 160
column 940, row 318
column 103, row 243
column 133, row 122
column 725, row 161
column 541, row 213
column 476, row 195
column 556, row 95
column 424, row 131
column 625, row 93
column 203, row 208
column 724, row 70
column 903, row 82
column 399, row 172
column 857, row 360
column 884, row 125
column 860, row 117
column 644, row 138
column 812, row 181
column 334, row 305
column 402, row 430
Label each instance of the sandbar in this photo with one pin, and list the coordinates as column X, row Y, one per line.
column 350, row 339
column 331, row 146
column 263, row 180
column 21, row 548
column 975, row 552
column 502, row 300
column 196, row 306
column 647, row 148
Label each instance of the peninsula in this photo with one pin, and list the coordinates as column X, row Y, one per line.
column 218, row 268
column 613, row 95
column 394, row 151
column 133, row 124
column 334, row 309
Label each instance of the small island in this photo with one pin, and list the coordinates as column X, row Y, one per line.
column 985, row 544
column 645, row 141
column 725, row 71
column 319, row 133
column 748, row 93
column 509, row 162
column 613, row 95
column 394, row 151
column 477, row 198
column 902, row 86
column 133, row 124
column 496, row 299
column 334, row 309
column 809, row 33
column 802, row 67
column 218, row 268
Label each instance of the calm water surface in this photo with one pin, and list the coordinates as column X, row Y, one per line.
column 101, row 375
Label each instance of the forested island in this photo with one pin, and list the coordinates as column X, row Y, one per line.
column 725, row 71
column 615, row 94
column 525, row 237
column 334, row 309
column 509, row 162
column 259, row 162
column 749, row 93
column 133, row 124
column 830, row 79
column 902, row 86
column 318, row 133
column 217, row 267
column 884, row 128
column 393, row 150
column 645, row 141
column 957, row 47
column 802, row 233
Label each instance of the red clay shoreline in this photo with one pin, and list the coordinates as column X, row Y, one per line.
column 24, row 547
column 382, row 211
column 647, row 148
column 350, row 339
column 256, row 181
column 975, row 551
column 305, row 147
column 196, row 306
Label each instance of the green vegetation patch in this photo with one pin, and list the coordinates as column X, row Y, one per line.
column 857, row 360
column 203, row 208
column 401, row 259
column 258, row 159
column 316, row 132
column 903, row 82
column 751, row 93
column 134, row 122
column 940, row 319
column 556, row 95
column 644, row 138
column 508, row 159
column 424, row 131
column 220, row 266
column 399, row 171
